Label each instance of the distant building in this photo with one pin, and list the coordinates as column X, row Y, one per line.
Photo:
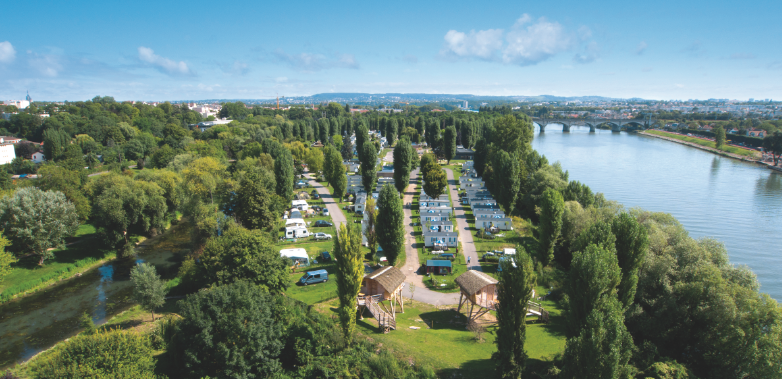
column 38, row 157
column 462, row 153
column 759, row 133
column 203, row 126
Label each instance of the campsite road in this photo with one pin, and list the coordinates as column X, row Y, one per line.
column 465, row 234
column 412, row 264
column 337, row 217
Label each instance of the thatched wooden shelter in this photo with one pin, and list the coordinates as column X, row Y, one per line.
column 479, row 289
column 383, row 284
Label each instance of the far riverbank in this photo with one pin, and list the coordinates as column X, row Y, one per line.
column 706, row 148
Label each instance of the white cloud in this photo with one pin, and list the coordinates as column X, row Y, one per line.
column 536, row 42
column 527, row 42
column 7, row 52
column 409, row 58
column 482, row 44
column 169, row 66
column 348, row 61
column 281, row 79
column 641, row 48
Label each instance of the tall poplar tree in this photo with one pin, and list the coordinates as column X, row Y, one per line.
column 552, row 208
column 368, row 167
column 390, row 223
column 402, row 164
column 283, row 173
column 515, row 291
column 350, row 271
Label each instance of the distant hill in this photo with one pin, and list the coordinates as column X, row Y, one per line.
column 416, row 98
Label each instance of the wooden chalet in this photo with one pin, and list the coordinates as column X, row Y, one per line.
column 381, row 285
column 479, row 289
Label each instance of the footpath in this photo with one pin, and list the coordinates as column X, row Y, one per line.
column 465, row 234
column 337, row 217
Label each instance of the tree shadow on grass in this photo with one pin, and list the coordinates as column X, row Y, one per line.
column 472, row 369
column 447, row 319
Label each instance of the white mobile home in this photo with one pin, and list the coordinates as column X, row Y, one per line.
column 296, row 255
column 300, row 205
column 296, row 232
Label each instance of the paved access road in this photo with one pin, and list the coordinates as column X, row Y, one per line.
column 465, row 234
column 337, row 217
column 412, row 263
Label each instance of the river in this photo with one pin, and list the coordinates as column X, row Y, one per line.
column 735, row 202
column 38, row 321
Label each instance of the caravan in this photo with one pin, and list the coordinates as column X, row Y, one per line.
column 296, row 232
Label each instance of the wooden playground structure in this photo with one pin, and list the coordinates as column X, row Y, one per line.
column 481, row 289
column 383, row 284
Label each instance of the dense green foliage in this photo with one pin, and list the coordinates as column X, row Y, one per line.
column 35, row 220
column 350, row 272
column 403, row 165
column 390, row 223
column 552, row 208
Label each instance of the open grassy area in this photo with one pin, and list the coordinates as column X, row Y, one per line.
column 706, row 143
column 444, row 342
column 82, row 252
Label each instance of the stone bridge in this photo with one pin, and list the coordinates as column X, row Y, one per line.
column 615, row 124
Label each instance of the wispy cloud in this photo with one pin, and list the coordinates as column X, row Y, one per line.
column 641, row 48
column 776, row 65
column 7, row 52
column 165, row 65
column 409, row 58
column 237, row 68
column 310, row 62
column 694, row 49
column 527, row 42
column 46, row 64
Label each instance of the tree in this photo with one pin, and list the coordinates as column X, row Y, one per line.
column 435, row 181
column 719, row 136
column 283, row 173
column 632, row 243
column 508, row 171
column 230, row 331
column 324, row 130
column 402, row 164
column 340, row 186
column 254, row 204
column 6, row 258
column 371, row 231
column 592, row 281
column 369, row 168
column 55, row 143
column 56, row 178
column 332, row 166
column 347, row 149
column 603, row 346
column 391, row 131
column 241, row 254
column 113, row 353
column 148, row 289
column 772, row 143
column 390, row 223
column 36, row 220
column 449, row 143
column 466, row 133
column 552, row 207
column 513, row 135
column 362, row 135
column 350, row 272
column 515, row 291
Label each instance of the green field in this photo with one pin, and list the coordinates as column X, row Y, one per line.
column 444, row 343
column 706, row 143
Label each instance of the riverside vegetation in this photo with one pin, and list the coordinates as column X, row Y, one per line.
column 639, row 297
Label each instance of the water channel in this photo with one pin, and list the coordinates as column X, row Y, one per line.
column 735, row 202
column 36, row 322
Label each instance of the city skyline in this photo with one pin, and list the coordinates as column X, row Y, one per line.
column 153, row 51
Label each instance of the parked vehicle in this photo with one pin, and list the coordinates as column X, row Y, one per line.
column 326, row 212
column 505, row 258
column 488, row 254
column 322, row 236
column 326, row 256
column 359, row 213
column 322, row 223
column 315, row 195
column 313, row 277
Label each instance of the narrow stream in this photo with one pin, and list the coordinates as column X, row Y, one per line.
column 36, row 322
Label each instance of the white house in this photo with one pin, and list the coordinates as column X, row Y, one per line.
column 38, row 157
column 438, row 226
column 502, row 223
column 7, row 153
column 450, row 239
column 296, row 255
column 292, row 222
column 300, row 205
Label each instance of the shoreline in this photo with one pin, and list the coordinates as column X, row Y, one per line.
column 704, row 148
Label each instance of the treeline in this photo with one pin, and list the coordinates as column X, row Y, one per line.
column 641, row 298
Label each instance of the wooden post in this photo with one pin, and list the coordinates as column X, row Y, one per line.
column 461, row 296
column 402, row 303
column 471, row 307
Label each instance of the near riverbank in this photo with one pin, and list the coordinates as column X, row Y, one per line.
column 684, row 140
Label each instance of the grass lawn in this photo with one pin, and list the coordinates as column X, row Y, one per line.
column 81, row 253
column 707, row 143
column 444, row 343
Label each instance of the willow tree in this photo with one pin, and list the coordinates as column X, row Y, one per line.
column 350, row 271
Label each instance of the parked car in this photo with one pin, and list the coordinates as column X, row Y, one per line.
column 313, row 277
column 326, row 256
column 359, row 213
column 488, row 254
column 316, row 208
column 322, row 236
column 326, row 212
column 322, row 223
column 505, row 258
column 315, row 194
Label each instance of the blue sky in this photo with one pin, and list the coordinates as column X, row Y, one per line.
column 146, row 50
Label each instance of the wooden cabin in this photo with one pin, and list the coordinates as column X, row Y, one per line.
column 382, row 285
column 479, row 289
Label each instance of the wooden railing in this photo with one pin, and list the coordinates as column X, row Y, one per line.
column 384, row 320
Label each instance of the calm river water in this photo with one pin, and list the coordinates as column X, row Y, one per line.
column 735, row 202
